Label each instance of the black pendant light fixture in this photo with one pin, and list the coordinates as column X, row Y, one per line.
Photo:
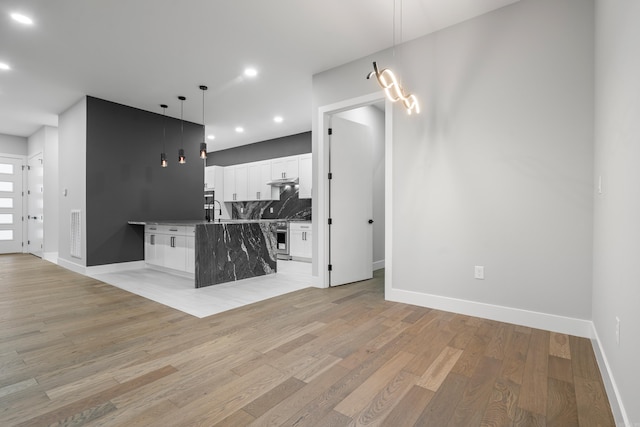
column 203, row 144
column 181, row 157
column 163, row 155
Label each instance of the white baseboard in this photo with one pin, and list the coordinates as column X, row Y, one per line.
column 114, row 268
column 77, row 268
column 50, row 256
column 377, row 265
column 613, row 394
column 533, row 319
column 100, row 269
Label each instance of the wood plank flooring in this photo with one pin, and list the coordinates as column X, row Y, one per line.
column 75, row 351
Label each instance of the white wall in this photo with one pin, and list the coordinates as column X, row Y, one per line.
column 497, row 169
column 10, row 144
column 72, row 149
column 616, row 289
column 374, row 118
column 45, row 141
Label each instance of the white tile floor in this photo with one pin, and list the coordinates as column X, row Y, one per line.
column 179, row 292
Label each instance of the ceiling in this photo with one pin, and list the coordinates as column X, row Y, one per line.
column 143, row 53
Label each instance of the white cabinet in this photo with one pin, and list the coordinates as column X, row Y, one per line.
column 300, row 241
column 236, row 183
column 305, row 175
column 170, row 247
column 214, row 176
column 259, row 173
column 153, row 246
column 284, row 167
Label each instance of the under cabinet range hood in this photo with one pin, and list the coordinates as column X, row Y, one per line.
column 283, row 182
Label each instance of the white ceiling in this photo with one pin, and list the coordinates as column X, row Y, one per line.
column 143, row 53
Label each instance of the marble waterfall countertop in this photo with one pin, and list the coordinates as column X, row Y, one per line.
column 229, row 250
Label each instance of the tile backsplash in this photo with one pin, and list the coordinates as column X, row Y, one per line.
column 290, row 206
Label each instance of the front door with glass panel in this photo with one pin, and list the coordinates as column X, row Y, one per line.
column 10, row 205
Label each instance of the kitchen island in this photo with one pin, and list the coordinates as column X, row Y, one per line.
column 212, row 252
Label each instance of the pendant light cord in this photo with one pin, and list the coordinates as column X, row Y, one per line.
column 181, row 123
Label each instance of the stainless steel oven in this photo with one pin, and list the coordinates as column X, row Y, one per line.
column 282, row 238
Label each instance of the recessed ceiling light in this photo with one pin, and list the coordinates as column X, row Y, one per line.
column 278, row 119
column 4, row 66
column 239, row 129
column 22, row 18
column 211, row 137
column 250, row 72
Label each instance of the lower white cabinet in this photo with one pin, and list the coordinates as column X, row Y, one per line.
column 300, row 241
column 170, row 247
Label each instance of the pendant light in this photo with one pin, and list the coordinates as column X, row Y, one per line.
column 203, row 144
column 163, row 155
column 181, row 157
column 387, row 80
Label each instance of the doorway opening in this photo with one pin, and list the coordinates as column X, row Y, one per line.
column 345, row 224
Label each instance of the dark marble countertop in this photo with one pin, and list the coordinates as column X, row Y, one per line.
column 198, row 221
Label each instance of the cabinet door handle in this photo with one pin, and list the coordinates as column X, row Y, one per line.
column 173, row 242
column 258, row 195
column 152, row 239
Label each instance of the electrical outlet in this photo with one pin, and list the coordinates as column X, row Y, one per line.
column 270, row 210
column 617, row 330
column 479, row 272
column 241, row 210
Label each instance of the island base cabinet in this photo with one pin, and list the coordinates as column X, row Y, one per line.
column 170, row 248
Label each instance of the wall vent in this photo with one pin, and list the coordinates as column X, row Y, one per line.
column 76, row 234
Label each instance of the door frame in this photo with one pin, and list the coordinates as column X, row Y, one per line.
column 321, row 226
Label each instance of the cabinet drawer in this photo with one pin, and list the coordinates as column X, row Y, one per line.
column 300, row 226
column 177, row 230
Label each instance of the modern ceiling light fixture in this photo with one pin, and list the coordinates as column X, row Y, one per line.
column 4, row 66
column 250, row 72
column 203, row 144
column 181, row 157
column 163, row 155
column 388, row 81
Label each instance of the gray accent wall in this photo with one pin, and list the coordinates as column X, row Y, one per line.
column 616, row 249
column 125, row 181
column 266, row 150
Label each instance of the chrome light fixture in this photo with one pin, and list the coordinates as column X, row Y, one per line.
column 388, row 81
column 203, row 144
column 163, row 155
column 181, row 157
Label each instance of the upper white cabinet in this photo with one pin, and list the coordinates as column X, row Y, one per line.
column 305, row 175
column 248, row 181
column 236, row 182
column 259, row 174
column 284, row 167
column 214, row 176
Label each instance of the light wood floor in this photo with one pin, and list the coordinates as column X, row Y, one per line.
column 75, row 351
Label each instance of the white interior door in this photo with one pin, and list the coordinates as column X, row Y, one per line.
column 35, row 205
column 10, row 205
column 351, row 202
